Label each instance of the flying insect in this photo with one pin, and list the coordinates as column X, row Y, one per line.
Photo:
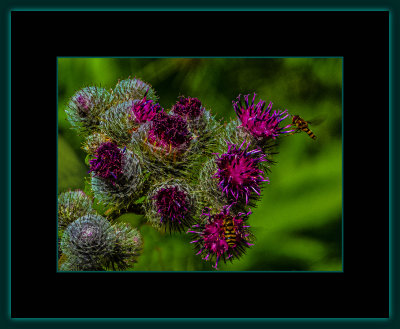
column 302, row 125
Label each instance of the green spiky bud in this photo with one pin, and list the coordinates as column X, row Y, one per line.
column 93, row 142
column 131, row 89
column 208, row 131
column 235, row 135
column 87, row 242
column 74, row 264
column 71, row 206
column 86, row 107
column 117, row 124
column 128, row 247
column 66, row 266
column 122, row 192
column 208, row 184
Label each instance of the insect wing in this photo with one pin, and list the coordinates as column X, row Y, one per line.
column 316, row 121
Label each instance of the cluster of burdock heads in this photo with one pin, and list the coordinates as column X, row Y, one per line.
column 182, row 169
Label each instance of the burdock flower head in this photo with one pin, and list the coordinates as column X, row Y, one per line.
column 260, row 123
column 144, row 110
column 188, row 108
column 71, row 206
column 127, row 248
column 83, row 104
column 169, row 132
column 88, row 241
column 171, row 203
column 238, row 172
column 131, row 89
column 117, row 178
column 107, row 163
column 84, row 100
column 86, row 107
column 222, row 235
column 171, row 206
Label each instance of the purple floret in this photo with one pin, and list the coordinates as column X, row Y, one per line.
column 188, row 108
column 107, row 163
column 169, row 131
column 145, row 110
column 83, row 104
column 82, row 101
column 259, row 122
column 171, row 204
column 238, row 172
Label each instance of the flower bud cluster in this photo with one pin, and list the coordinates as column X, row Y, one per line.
column 179, row 167
column 89, row 242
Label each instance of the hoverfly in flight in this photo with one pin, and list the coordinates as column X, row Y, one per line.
column 302, row 125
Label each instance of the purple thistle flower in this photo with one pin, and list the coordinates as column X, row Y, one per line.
column 171, row 203
column 170, row 206
column 189, row 108
column 259, row 122
column 107, row 162
column 222, row 235
column 144, row 110
column 238, row 172
column 169, row 131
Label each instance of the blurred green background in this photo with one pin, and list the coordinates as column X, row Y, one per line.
column 298, row 222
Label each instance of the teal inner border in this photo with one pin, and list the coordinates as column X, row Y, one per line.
column 391, row 6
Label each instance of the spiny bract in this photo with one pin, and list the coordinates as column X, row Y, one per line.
column 88, row 241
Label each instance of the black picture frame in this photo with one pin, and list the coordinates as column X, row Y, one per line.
column 363, row 295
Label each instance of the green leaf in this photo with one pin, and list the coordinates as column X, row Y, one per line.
column 70, row 169
column 87, row 159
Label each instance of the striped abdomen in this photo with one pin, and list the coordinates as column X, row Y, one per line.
column 309, row 132
column 230, row 233
column 302, row 125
